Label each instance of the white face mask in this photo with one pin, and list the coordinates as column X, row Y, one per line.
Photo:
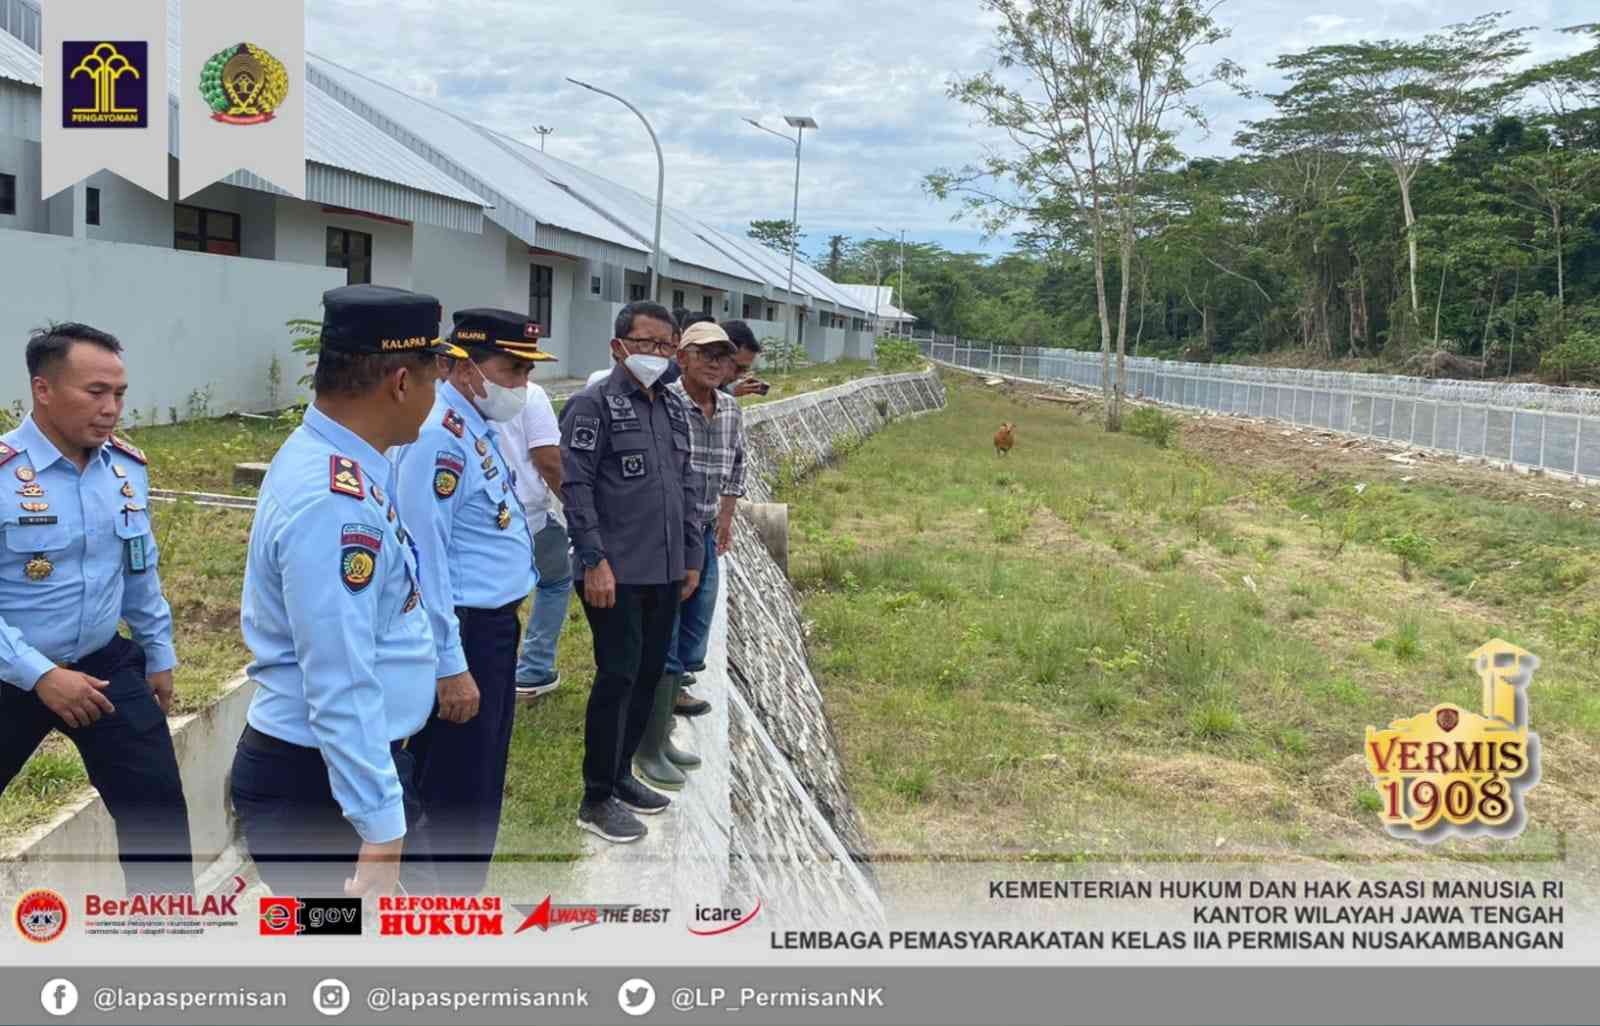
column 646, row 368
column 499, row 403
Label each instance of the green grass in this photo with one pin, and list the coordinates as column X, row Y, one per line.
column 1089, row 631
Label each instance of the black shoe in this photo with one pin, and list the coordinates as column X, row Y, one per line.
column 635, row 796
column 608, row 819
column 696, row 668
column 542, row 687
column 688, row 705
column 687, row 680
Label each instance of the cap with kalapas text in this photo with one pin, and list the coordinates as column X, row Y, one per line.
column 378, row 320
column 502, row 331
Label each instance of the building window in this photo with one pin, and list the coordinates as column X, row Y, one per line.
column 677, row 299
column 594, row 284
column 8, row 194
column 705, row 305
column 352, row 251
column 747, row 314
column 635, row 293
column 205, row 231
column 539, row 292
column 771, row 314
column 91, row 206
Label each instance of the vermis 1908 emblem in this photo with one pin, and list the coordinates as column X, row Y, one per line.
column 244, row 85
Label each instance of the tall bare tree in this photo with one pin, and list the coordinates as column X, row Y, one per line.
column 1087, row 94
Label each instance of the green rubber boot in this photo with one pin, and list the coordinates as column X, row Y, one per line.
column 651, row 760
column 678, row 756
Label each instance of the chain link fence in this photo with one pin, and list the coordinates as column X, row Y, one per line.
column 1554, row 429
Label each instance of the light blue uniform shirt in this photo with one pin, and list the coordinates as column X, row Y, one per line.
column 470, row 529
column 332, row 612
column 83, row 535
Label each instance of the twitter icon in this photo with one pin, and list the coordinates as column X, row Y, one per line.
column 636, row 996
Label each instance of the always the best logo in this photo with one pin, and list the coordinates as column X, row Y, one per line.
column 1454, row 772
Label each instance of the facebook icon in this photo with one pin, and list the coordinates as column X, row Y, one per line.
column 59, row 997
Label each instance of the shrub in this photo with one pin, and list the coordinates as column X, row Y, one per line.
column 897, row 354
column 1149, row 422
column 306, row 337
column 783, row 355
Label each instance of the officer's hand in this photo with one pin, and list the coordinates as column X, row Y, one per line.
column 691, row 581
column 746, row 386
column 458, row 697
column 161, row 684
column 377, row 870
column 74, row 696
column 599, row 586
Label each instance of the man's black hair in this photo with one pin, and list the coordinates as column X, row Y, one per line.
column 680, row 317
column 642, row 308
column 353, row 375
column 741, row 335
column 697, row 317
column 49, row 346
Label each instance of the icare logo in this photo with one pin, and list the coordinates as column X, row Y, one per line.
column 327, row 917
column 710, row 921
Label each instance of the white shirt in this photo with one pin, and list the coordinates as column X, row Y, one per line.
column 599, row 375
column 533, row 428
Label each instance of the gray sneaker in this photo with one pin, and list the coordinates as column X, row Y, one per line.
column 638, row 798
column 608, row 819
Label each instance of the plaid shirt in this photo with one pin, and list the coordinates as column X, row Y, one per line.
column 716, row 448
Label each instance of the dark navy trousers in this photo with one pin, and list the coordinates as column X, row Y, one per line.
column 461, row 767
column 130, row 760
column 295, row 831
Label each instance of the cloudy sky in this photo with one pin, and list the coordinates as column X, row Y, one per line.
column 873, row 74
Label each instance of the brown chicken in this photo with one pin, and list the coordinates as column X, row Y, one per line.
column 1005, row 438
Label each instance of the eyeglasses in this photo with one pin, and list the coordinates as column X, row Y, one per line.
column 667, row 347
column 717, row 358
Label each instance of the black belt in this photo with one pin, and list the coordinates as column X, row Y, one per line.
column 509, row 609
column 255, row 739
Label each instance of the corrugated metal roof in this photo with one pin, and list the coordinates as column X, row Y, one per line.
column 20, row 63
column 879, row 298
column 459, row 149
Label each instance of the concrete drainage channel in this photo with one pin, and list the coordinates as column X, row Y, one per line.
column 767, row 818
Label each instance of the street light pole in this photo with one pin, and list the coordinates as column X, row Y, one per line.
column 661, row 183
column 799, row 123
column 881, row 228
column 543, row 131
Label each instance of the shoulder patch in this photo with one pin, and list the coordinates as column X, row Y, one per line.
column 585, row 432
column 454, row 424
column 130, row 450
column 344, row 477
column 7, row 454
column 359, row 545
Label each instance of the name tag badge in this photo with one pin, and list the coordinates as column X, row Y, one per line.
column 137, row 561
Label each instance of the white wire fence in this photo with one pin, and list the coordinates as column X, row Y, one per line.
column 1550, row 428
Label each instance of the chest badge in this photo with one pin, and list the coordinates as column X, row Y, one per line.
column 502, row 519
column 118, row 471
column 377, row 494
column 482, row 445
column 35, row 507
column 31, row 491
column 127, row 489
column 633, row 464
column 38, row 568
column 25, row 474
column 393, row 516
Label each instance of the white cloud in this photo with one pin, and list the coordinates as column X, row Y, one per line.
column 873, row 75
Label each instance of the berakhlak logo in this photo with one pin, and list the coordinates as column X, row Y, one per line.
column 105, row 84
column 41, row 915
column 244, row 84
column 1454, row 772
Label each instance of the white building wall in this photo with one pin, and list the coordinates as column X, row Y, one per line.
column 190, row 321
column 20, row 157
column 465, row 270
column 302, row 238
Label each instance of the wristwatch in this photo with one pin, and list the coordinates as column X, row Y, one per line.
column 590, row 558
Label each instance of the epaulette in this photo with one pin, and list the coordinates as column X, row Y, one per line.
column 7, row 454
column 130, row 449
column 344, row 477
column 454, row 424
